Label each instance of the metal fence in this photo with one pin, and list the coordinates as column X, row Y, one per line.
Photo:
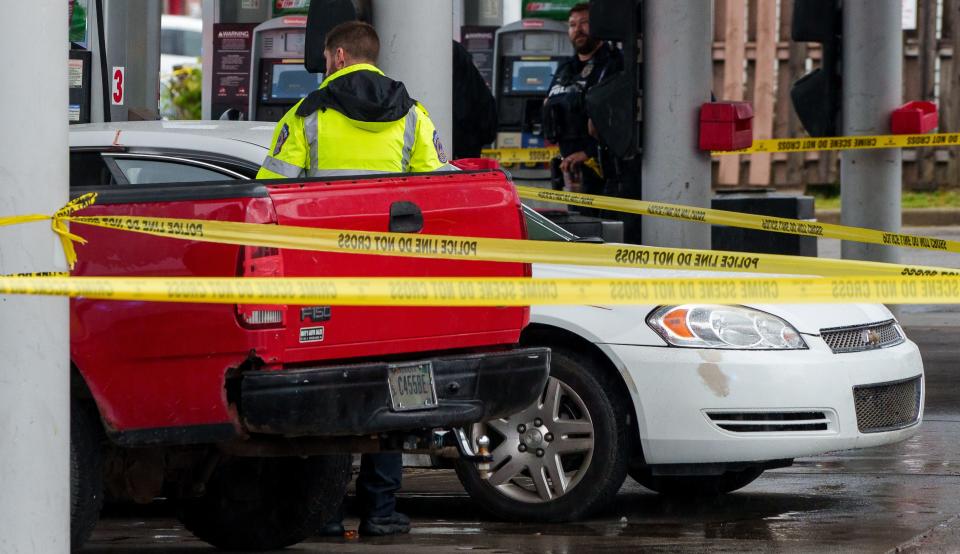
column 754, row 60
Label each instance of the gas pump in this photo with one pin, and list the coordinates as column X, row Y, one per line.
column 526, row 55
column 278, row 76
column 79, row 66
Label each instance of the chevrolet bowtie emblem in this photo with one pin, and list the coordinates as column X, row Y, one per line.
column 870, row 336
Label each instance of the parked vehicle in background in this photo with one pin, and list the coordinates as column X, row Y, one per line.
column 688, row 400
column 181, row 39
column 245, row 414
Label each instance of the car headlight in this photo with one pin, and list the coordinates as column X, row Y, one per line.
column 733, row 327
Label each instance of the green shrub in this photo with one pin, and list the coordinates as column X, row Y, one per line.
column 180, row 93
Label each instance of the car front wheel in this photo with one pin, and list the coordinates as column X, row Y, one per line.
column 560, row 459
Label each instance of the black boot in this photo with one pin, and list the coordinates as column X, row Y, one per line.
column 393, row 524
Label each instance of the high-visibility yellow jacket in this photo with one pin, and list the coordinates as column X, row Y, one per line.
column 358, row 121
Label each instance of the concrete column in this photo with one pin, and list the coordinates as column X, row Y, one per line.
column 677, row 80
column 458, row 19
column 871, row 180
column 484, row 12
column 512, row 11
column 416, row 47
column 34, row 337
column 132, row 34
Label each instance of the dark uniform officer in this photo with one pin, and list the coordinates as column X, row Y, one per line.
column 358, row 121
column 474, row 108
column 565, row 111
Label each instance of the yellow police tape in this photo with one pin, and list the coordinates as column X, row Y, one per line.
column 865, row 142
column 495, row 292
column 808, row 144
column 852, row 281
column 58, row 223
column 737, row 219
column 494, row 249
column 521, row 155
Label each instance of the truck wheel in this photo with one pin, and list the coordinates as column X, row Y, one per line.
column 563, row 457
column 267, row 503
column 86, row 473
column 696, row 485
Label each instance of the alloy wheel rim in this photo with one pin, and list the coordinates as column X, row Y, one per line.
column 543, row 452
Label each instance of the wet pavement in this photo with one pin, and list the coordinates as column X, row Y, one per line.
column 869, row 500
column 904, row 496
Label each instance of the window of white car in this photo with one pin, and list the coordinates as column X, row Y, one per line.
column 180, row 42
column 143, row 172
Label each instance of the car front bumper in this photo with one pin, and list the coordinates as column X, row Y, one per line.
column 696, row 406
column 354, row 399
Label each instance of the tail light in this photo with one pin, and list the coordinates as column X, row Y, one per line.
column 260, row 261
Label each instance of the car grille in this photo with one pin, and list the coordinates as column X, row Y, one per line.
column 888, row 406
column 863, row 337
column 770, row 422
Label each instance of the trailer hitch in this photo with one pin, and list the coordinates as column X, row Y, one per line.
column 465, row 449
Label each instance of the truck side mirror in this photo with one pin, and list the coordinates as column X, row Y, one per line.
column 323, row 16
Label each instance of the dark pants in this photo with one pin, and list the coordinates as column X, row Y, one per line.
column 379, row 480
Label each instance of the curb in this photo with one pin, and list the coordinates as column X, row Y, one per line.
column 939, row 538
column 912, row 217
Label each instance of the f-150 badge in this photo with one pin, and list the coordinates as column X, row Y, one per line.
column 316, row 314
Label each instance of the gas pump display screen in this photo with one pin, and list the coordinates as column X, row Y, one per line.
column 294, row 42
column 539, row 42
column 532, row 76
column 292, row 82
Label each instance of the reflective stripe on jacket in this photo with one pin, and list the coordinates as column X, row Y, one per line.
column 327, row 142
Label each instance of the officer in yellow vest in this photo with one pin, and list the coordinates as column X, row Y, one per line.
column 359, row 121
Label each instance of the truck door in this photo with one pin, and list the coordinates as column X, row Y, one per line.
column 460, row 204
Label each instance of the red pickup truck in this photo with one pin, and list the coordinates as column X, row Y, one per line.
column 245, row 413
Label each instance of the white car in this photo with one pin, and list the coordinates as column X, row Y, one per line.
column 687, row 400
column 181, row 38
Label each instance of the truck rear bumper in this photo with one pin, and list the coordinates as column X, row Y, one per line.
column 355, row 400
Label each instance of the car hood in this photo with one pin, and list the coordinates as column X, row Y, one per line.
column 806, row 318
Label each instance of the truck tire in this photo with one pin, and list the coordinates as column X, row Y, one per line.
column 586, row 424
column 690, row 486
column 267, row 503
column 86, row 472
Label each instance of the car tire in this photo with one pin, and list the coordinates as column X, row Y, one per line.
column 267, row 503
column 591, row 477
column 86, row 472
column 696, row 485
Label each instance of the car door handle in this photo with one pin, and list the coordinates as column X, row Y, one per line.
column 405, row 217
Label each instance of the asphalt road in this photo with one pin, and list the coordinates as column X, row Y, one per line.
column 904, row 496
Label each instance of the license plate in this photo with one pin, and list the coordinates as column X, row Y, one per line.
column 411, row 386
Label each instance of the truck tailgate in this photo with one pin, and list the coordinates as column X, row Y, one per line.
column 475, row 204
